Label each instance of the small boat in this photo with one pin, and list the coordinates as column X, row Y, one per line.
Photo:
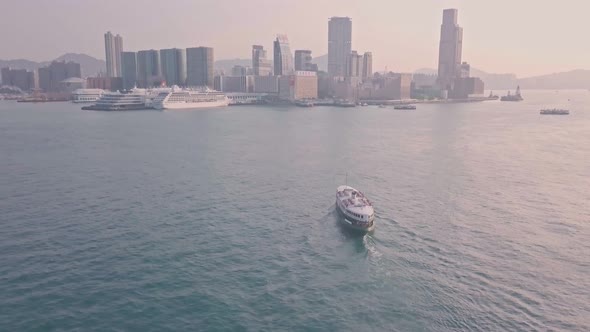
column 382, row 106
column 356, row 210
column 554, row 111
column 404, row 107
column 304, row 103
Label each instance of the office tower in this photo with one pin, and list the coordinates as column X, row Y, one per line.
column 283, row 59
column 354, row 65
column 303, row 60
column 149, row 70
column 367, row 71
column 451, row 43
column 20, row 78
column 174, row 66
column 129, row 69
column 238, row 70
column 260, row 63
column 113, row 46
column 339, row 45
column 199, row 66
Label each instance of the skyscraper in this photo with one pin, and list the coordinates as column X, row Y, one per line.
column 149, row 70
column 174, row 66
column 354, row 65
column 339, row 45
column 129, row 69
column 303, row 60
column 451, row 44
column 199, row 66
column 260, row 63
column 367, row 65
column 113, row 46
column 283, row 59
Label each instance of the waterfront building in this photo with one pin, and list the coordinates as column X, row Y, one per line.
column 173, row 66
column 393, row 86
column 450, row 48
column 465, row 87
column 199, row 65
column 339, row 45
column 266, row 84
column 303, row 61
column 20, row 78
column 129, row 69
column 113, row 46
column 283, row 59
column 299, row 85
column 149, row 70
column 51, row 76
column 367, row 70
column 105, row 83
column 243, row 83
column 261, row 65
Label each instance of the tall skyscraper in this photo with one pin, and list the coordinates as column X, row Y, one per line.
column 367, row 65
column 174, row 66
column 303, row 60
column 113, row 46
column 129, row 69
column 149, row 70
column 283, row 58
column 339, row 45
column 260, row 63
column 451, row 44
column 199, row 66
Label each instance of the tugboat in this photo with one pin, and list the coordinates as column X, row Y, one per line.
column 554, row 111
column 356, row 210
column 513, row 97
column 404, row 107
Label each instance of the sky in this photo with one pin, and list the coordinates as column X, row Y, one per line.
column 525, row 37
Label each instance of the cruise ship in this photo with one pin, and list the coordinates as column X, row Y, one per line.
column 355, row 208
column 86, row 95
column 128, row 100
column 190, row 99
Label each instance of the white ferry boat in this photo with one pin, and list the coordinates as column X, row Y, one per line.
column 120, row 101
column 356, row 210
column 554, row 111
column 87, row 95
column 190, row 99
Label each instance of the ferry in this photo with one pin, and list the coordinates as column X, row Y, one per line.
column 190, row 99
column 356, row 210
column 127, row 100
column 554, row 111
column 404, row 107
column 86, row 95
column 304, row 103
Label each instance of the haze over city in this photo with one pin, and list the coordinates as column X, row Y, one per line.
column 525, row 37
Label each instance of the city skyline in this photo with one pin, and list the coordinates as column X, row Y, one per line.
column 379, row 26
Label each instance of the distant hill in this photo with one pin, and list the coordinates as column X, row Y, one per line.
column 575, row 79
column 89, row 65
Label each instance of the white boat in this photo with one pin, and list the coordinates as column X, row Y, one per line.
column 356, row 210
column 190, row 99
column 120, row 101
column 87, row 95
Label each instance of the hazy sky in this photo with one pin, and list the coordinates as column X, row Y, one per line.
column 526, row 37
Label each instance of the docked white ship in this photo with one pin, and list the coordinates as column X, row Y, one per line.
column 120, row 101
column 356, row 210
column 190, row 99
column 87, row 95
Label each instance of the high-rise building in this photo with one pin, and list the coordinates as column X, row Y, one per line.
column 367, row 71
column 199, row 66
column 149, row 69
column 339, row 45
column 113, row 46
column 51, row 76
column 238, row 70
column 174, row 66
column 260, row 63
column 303, row 61
column 129, row 69
column 451, row 44
column 283, row 59
column 20, row 78
column 298, row 85
column 354, row 65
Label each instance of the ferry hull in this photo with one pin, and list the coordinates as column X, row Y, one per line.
column 344, row 220
column 191, row 106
